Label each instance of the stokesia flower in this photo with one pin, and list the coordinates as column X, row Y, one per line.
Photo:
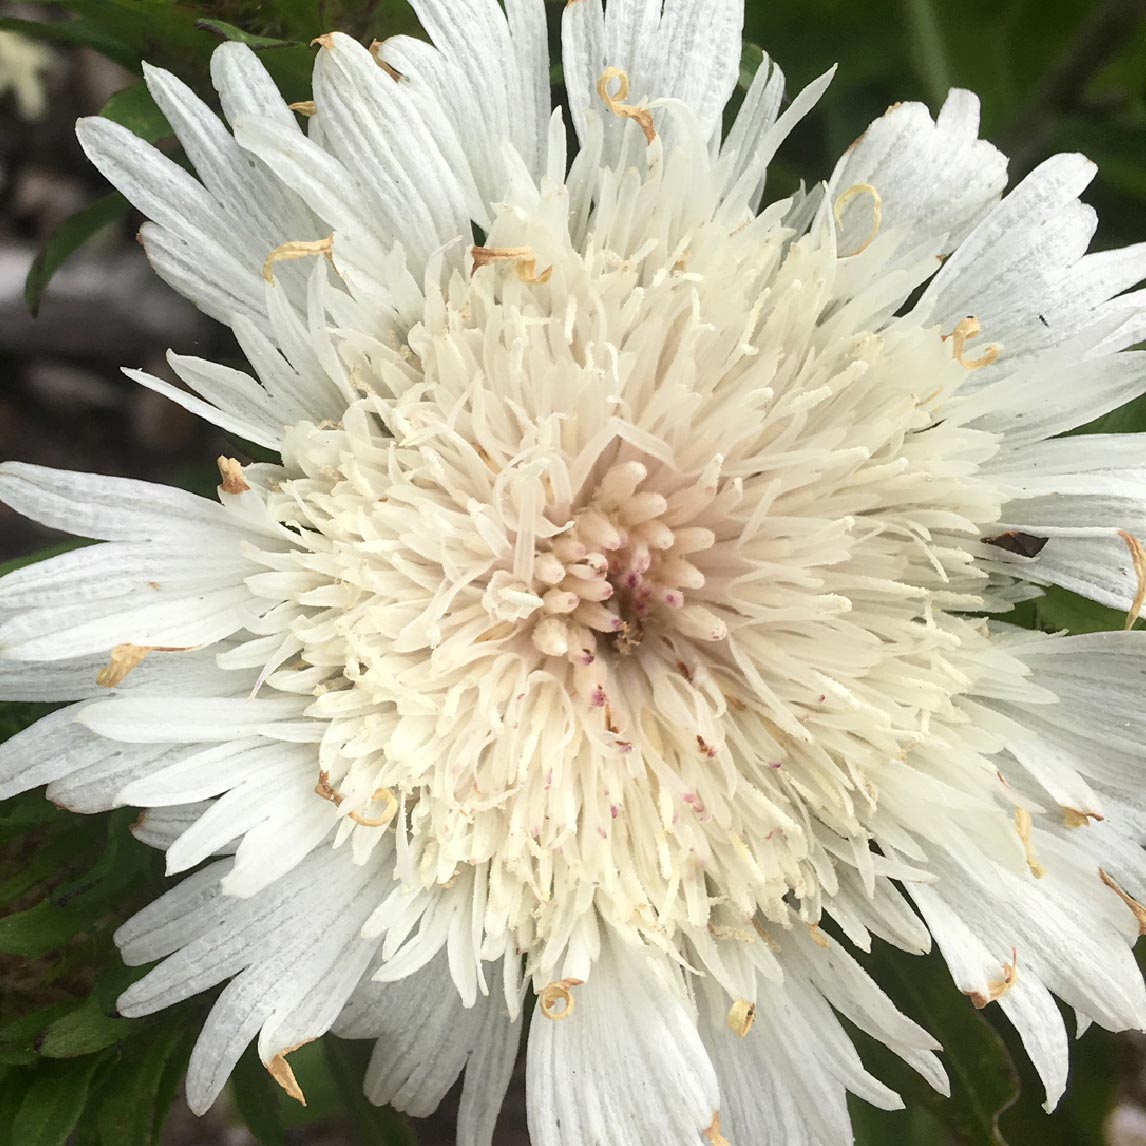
column 632, row 592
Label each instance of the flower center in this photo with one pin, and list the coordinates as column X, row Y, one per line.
column 627, row 564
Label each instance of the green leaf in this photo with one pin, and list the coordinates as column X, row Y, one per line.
column 25, row 1030
column 162, row 32
column 54, row 1102
column 230, row 32
column 750, row 60
column 84, row 1031
column 256, row 1097
column 1058, row 610
column 984, row 1082
column 67, row 239
column 138, row 112
column 376, row 1125
column 38, row 930
column 928, row 48
column 45, row 862
column 140, row 1086
column 79, row 32
column 300, row 18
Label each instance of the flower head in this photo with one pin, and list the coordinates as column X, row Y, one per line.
column 631, row 595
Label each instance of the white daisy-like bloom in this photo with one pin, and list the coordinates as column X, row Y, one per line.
column 631, row 597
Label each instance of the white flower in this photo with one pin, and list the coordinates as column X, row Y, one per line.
column 632, row 592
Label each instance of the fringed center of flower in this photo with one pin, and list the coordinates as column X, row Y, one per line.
column 622, row 567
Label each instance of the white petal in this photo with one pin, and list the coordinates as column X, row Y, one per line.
column 189, row 721
column 629, row 1056
column 115, row 509
column 935, row 179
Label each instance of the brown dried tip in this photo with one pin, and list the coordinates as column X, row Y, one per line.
column 326, row 40
column 124, row 658
column 1019, row 543
column 523, row 258
column 298, row 250
column 818, row 937
column 390, row 809
column 326, row 790
column 304, row 107
column 1073, row 818
column 614, row 101
column 1138, row 556
column 556, row 1001
column 713, row 1134
column 741, row 1017
column 997, row 988
column 376, row 51
column 1023, row 826
column 962, row 334
column 877, row 213
column 280, row 1070
column 231, row 471
column 1128, row 899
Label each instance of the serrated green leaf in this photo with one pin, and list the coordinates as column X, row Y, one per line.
column 54, row 1102
column 138, row 112
column 66, row 240
column 85, row 1030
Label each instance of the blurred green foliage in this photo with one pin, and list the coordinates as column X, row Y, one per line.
column 1052, row 74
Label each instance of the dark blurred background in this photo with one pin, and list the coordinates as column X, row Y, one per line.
column 1052, row 74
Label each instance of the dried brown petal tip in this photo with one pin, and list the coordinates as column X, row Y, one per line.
column 962, row 334
column 1138, row 556
column 1023, row 826
column 280, row 1070
column 231, row 471
column 304, row 107
column 713, row 1134
column 376, row 51
column 615, row 101
column 741, row 1017
column 1127, row 898
column 997, row 988
column 1073, row 818
column 297, row 250
column 390, row 808
column 523, row 258
column 124, row 658
column 556, row 1001
column 877, row 213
